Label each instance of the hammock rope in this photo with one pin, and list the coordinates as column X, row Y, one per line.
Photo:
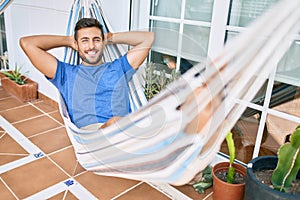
column 156, row 143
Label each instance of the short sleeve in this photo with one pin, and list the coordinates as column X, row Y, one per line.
column 59, row 77
column 127, row 69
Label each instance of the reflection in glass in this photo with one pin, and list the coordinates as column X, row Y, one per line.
column 229, row 35
column 163, row 60
column 287, row 100
column 288, row 69
column 200, row 10
column 195, row 42
column 281, row 93
column 170, row 62
column 166, row 8
column 243, row 12
column 278, row 130
column 166, row 37
column 244, row 135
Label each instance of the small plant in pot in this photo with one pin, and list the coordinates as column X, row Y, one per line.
column 16, row 76
column 19, row 85
column 229, row 177
column 282, row 177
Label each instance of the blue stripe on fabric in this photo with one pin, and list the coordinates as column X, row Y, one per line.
column 145, row 166
column 2, row 6
column 175, row 176
column 110, row 134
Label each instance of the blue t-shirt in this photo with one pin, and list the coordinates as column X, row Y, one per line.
column 94, row 94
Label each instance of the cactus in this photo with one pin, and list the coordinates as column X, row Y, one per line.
column 288, row 163
column 231, row 148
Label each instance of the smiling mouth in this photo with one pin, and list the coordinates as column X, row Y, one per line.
column 91, row 53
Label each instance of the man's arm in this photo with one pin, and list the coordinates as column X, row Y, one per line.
column 140, row 40
column 36, row 48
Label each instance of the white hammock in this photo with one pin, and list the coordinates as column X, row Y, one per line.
column 151, row 144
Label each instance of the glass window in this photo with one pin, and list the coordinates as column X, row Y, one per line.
column 278, row 130
column 183, row 39
column 195, row 42
column 288, row 69
column 286, row 98
column 282, row 96
column 165, row 35
column 245, row 11
column 181, row 34
column 166, row 8
column 244, row 135
column 3, row 45
column 200, row 10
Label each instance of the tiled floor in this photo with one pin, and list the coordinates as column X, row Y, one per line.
column 37, row 161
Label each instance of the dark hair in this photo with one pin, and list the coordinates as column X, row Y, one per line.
column 87, row 22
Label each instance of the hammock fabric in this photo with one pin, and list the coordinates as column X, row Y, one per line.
column 168, row 139
column 4, row 4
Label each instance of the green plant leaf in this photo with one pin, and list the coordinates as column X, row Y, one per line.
column 16, row 76
column 231, row 148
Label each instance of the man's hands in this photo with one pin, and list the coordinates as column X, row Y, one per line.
column 111, row 121
column 140, row 42
column 108, row 38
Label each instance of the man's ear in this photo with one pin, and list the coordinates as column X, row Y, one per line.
column 75, row 45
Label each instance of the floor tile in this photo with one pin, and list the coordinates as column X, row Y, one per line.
column 143, row 191
column 9, row 102
column 5, row 194
column 104, row 187
column 66, row 159
column 33, row 177
column 56, row 115
column 189, row 191
column 20, row 113
column 37, row 125
column 52, row 141
column 10, row 150
column 44, row 106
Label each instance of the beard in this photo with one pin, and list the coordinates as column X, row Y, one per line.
column 90, row 60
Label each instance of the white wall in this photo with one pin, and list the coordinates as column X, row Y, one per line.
column 50, row 17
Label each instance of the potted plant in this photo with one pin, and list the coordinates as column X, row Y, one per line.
column 156, row 79
column 229, row 177
column 19, row 85
column 281, row 172
column 205, row 180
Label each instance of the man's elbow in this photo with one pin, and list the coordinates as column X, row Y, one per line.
column 151, row 38
column 23, row 42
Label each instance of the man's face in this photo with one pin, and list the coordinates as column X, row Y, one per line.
column 90, row 46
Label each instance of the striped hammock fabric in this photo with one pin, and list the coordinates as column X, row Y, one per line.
column 168, row 139
column 4, row 4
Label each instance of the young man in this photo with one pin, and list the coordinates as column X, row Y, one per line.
column 94, row 91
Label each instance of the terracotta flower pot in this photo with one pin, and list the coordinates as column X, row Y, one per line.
column 24, row 93
column 227, row 191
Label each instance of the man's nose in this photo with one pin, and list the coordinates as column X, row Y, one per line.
column 91, row 45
